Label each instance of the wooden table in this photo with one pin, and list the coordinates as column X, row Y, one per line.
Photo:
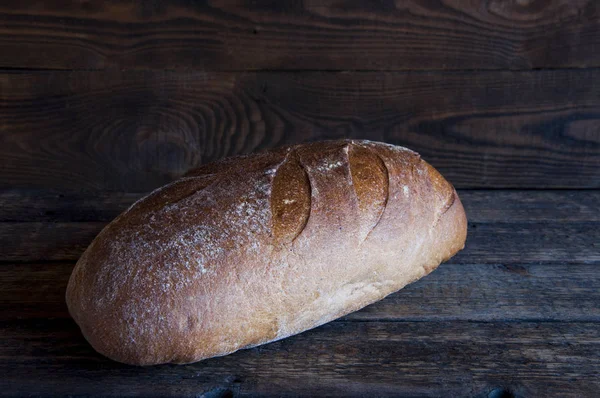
column 517, row 313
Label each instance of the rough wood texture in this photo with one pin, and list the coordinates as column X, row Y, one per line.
column 468, row 329
column 463, row 292
column 55, row 206
column 506, row 227
column 46, row 241
column 50, row 357
column 133, row 131
column 314, row 34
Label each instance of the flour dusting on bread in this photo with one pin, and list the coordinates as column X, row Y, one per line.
column 260, row 247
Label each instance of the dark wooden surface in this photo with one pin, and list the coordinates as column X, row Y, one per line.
column 292, row 35
column 519, row 317
column 343, row 358
column 136, row 130
column 103, row 101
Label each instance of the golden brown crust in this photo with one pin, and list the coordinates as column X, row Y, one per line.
column 371, row 182
column 290, row 200
column 261, row 247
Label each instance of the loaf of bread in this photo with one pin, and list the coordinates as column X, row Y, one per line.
column 256, row 248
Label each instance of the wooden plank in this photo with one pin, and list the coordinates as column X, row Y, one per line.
column 133, row 131
column 21, row 205
column 492, row 206
column 548, row 292
column 497, row 243
column 482, row 206
column 338, row 359
column 540, row 243
column 463, row 292
column 312, row 34
column 46, row 241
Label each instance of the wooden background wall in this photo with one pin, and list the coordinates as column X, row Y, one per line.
column 128, row 95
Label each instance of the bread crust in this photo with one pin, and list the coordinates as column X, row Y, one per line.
column 256, row 248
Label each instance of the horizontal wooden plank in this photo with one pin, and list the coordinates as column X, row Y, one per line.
column 557, row 292
column 133, row 131
column 337, row 359
column 503, row 243
column 464, row 292
column 55, row 206
column 314, row 34
column 492, row 206
column 46, row 241
column 538, row 243
column 482, row 206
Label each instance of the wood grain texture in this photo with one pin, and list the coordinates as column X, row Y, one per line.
column 340, row 359
column 133, row 131
column 503, row 228
column 454, row 292
column 482, row 206
column 469, row 329
column 314, row 34
column 46, row 241
column 20, row 205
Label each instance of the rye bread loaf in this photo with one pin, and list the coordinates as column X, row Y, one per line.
column 256, row 248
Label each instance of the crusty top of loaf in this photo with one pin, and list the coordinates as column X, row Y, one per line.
column 258, row 247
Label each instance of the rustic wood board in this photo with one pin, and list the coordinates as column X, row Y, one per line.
column 49, row 357
column 493, row 328
column 133, row 131
column 314, row 34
